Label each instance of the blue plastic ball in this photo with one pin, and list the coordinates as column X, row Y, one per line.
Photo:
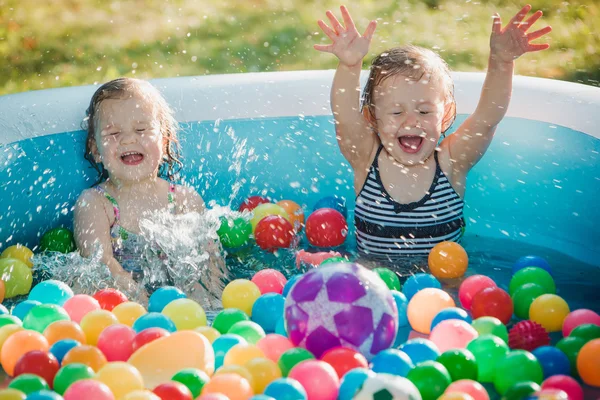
column 402, row 305
column 392, row 361
column 44, row 395
column 22, row 308
column 335, row 202
column 62, row 347
column 531, row 261
column 267, row 310
column 553, row 361
column 289, row 284
column 451, row 313
column 153, row 320
column 352, row 381
column 222, row 344
column 420, row 350
column 261, row 397
column 419, row 282
column 280, row 327
column 163, row 296
column 51, row 292
column 286, row 389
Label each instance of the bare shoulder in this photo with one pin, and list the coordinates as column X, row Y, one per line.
column 89, row 201
column 451, row 168
column 188, row 200
column 92, row 208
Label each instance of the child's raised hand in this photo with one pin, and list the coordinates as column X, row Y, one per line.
column 513, row 41
column 348, row 45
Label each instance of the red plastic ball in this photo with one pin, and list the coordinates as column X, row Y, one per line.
column 343, row 359
column 252, row 202
column 173, row 391
column 269, row 281
column 39, row 363
column 274, row 232
column 470, row 287
column 109, row 298
column 527, row 335
column 326, row 227
column 565, row 383
column 492, row 302
column 116, row 342
column 148, row 335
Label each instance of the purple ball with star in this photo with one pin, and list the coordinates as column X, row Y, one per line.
column 342, row 304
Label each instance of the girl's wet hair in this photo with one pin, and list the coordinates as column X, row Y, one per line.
column 414, row 63
column 123, row 88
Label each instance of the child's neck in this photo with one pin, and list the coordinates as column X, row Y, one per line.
column 145, row 186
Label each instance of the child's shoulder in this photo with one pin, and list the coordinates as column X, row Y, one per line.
column 187, row 198
column 90, row 196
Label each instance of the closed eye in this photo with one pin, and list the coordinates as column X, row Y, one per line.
column 140, row 129
column 397, row 113
column 424, row 112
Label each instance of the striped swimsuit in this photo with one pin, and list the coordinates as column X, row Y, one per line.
column 388, row 229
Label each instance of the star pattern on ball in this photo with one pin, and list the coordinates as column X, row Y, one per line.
column 322, row 317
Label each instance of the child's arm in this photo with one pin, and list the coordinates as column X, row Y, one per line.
column 471, row 140
column 355, row 138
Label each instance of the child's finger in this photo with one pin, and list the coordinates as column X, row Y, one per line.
column 539, row 33
column 327, row 30
column 370, row 30
column 496, row 23
column 516, row 20
column 531, row 20
column 537, row 47
column 334, row 22
column 327, row 48
column 347, row 18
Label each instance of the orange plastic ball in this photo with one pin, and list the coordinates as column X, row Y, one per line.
column 60, row 330
column 87, row 355
column 425, row 305
column 295, row 213
column 448, row 260
column 236, row 369
column 18, row 344
column 231, row 385
column 2, row 290
column 588, row 363
column 241, row 353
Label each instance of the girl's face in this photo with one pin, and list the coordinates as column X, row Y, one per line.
column 409, row 117
column 128, row 139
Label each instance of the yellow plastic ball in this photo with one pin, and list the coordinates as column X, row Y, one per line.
column 16, row 275
column 8, row 330
column 235, row 369
column 208, row 332
column 240, row 294
column 141, row 395
column 456, row 396
column 264, row 371
column 425, row 305
column 448, row 260
column 186, row 314
column 18, row 252
column 550, row 311
column 94, row 322
column 264, row 210
column 12, row 394
column 241, row 353
column 121, row 378
column 128, row 312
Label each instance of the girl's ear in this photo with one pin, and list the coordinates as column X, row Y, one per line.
column 94, row 151
column 369, row 117
column 449, row 112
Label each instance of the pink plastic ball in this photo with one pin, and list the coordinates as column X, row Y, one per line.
column 565, row 383
column 424, row 306
column 79, row 305
column 318, row 378
column 274, row 345
column 452, row 334
column 116, row 342
column 579, row 317
column 88, row 389
column 471, row 286
column 470, row 387
column 269, row 281
column 213, row 396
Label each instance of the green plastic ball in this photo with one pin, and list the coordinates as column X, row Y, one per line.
column 28, row 383
column 234, row 232
column 17, row 277
column 332, row 260
column 523, row 297
column 58, row 239
column 586, row 332
column 488, row 350
column 249, row 330
column 521, row 391
column 42, row 315
column 431, row 378
column 535, row 275
column 389, row 277
column 571, row 346
column 6, row 319
column 194, row 379
column 291, row 357
column 460, row 363
column 227, row 318
column 492, row 326
column 70, row 374
column 517, row 366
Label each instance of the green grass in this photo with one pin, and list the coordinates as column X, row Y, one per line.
column 57, row 43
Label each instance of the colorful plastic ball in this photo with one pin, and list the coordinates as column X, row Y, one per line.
column 294, row 212
column 565, row 383
column 419, row 282
column 146, row 336
column 492, row 302
column 154, row 320
column 185, row 314
column 573, row 320
column 517, row 366
column 286, row 389
column 86, row 355
column 60, row 330
column 588, row 363
column 280, row 328
column 172, row 391
column 194, row 379
column 587, row 332
column 128, row 312
column 333, row 260
column 94, row 322
column 492, row 326
column 522, row 390
column 274, row 345
column 28, row 383
column 388, row 387
column 326, row 227
column 352, row 382
column 549, row 310
column 51, row 292
column 22, row 308
column 551, row 394
column 109, row 298
column 431, row 378
column 234, row 232
column 233, row 386
column 552, row 360
column 18, row 252
column 163, row 296
column 40, row 395
column 235, row 369
column 208, row 332
column 460, row 363
column 116, row 342
column 470, row 387
column 292, row 357
column 273, row 232
column 62, row 347
column 393, row 362
column 18, row 344
column 11, row 394
column 523, row 296
column 40, row 363
column 227, row 318
column 2, row 290
column 420, row 350
column 265, row 210
column 267, row 310
column 451, row 313
column 402, row 306
column 241, row 353
column 252, row 202
column 343, row 359
column 448, row 260
column 70, row 374
column 455, row 396
column 335, row 202
column 263, row 371
column 249, row 330
column 269, row 281
column 17, row 277
column 318, row 379
column 4, row 310
column 40, row 317
column 122, row 378
column 527, row 335
column 88, row 389
column 452, row 334
column 289, row 284
column 240, row 294
column 425, row 305
column 571, row 347
column 58, row 239
column 9, row 320
column 531, row 261
column 389, row 277
column 488, row 350
column 213, row 396
column 79, row 305
column 470, row 287
column 532, row 275
column 223, row 344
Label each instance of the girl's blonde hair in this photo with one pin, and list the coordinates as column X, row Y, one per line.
column 123, row 88
column 414, row 63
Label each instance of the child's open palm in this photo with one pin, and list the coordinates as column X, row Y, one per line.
column 348, row 45
column 513, row 41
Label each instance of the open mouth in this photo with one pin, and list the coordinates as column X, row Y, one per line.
column 410, row 144
column 132, row 158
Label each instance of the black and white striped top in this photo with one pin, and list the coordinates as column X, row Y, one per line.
column 386, row 228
